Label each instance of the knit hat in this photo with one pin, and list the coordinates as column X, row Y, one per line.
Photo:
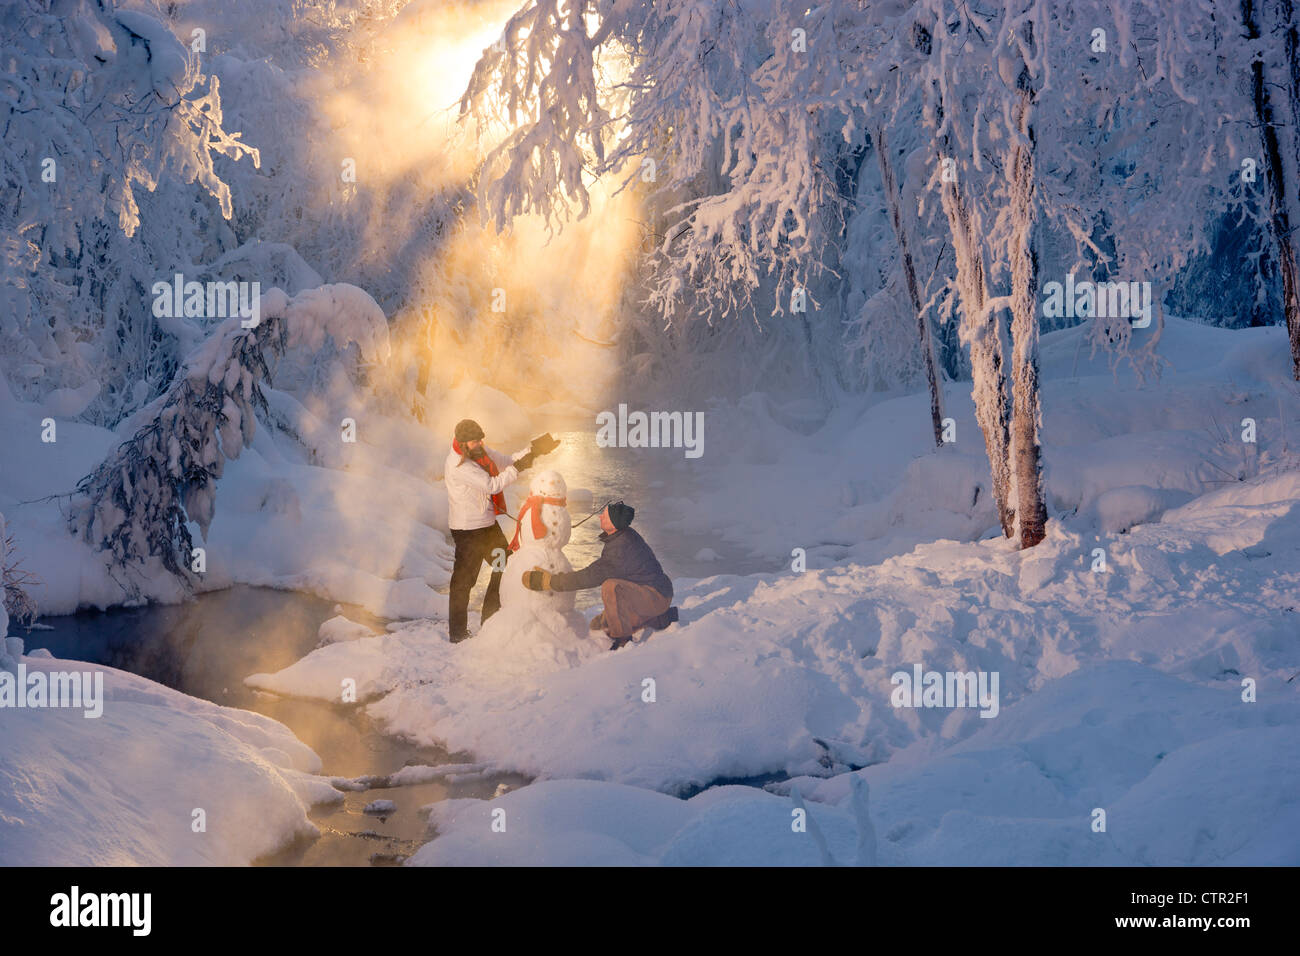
column 621, row 515
column 468, row 430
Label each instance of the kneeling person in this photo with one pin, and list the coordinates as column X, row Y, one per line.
column 633, row 586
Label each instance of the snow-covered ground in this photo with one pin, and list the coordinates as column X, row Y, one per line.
column 1120, row 685
column 125, row 788
column 1117, row 450
column 1186, row 774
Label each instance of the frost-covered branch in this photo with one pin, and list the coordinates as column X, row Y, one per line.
column 731, row 117
column 99, row 107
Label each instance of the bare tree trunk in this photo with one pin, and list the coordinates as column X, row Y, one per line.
column 1026, row 412
column 913, row 287
column 424, row 364
column 1292, row 41
column 981, row 330
column 1275, row 168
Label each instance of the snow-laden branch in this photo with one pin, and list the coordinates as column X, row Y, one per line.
column 137, row 505
column 99, row 107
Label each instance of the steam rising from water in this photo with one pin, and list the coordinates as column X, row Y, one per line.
column 532, row 314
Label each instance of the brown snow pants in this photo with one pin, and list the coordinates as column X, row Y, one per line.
column 628, row 606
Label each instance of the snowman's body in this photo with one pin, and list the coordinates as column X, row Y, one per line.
column 540, row 625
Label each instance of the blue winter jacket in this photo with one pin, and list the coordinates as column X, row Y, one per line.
column 626, row 557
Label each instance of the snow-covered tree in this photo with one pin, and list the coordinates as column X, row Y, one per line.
column 978, row 74
column 1119, row 191
column 1271, row 30
column 732, row 118
column 138, row 504
column 4, row 599
column 106, row 112
column 889, row 182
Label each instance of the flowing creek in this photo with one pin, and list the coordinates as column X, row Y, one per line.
column 207, row 646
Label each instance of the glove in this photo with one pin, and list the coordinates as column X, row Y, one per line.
column 524, row 462
column 544, row 445
column 537, row 580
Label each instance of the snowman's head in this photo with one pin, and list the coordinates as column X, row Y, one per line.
column 549, row 484
column 555, row 518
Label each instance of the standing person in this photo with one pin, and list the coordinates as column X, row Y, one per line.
column 477, row 477
column 635, row 591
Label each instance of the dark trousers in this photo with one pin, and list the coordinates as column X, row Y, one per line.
column 472, row 549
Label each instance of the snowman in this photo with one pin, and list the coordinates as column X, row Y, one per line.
column 539, row 626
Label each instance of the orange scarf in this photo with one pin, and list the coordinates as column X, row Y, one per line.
column 490, row 466
column 534, row 503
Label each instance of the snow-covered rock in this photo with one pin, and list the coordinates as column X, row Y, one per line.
column 339, row 628
column 1116, row 510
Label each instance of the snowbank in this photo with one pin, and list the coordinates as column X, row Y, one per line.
column 124, row 788
column 1146, row 748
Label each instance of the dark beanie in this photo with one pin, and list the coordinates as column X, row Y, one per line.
column 467, row 430
column 621, row 515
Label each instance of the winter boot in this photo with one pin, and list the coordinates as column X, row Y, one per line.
column 663, row 620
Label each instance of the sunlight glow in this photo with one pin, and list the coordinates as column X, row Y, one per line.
column 562, row 292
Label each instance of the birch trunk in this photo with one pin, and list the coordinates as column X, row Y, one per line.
column 1026, row 412
column 913, row 287
column 981, row 330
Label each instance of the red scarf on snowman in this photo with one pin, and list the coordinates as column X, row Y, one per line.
column 487, row 464
column 534, row 503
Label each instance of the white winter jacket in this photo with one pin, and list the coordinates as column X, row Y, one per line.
column 470, row 488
